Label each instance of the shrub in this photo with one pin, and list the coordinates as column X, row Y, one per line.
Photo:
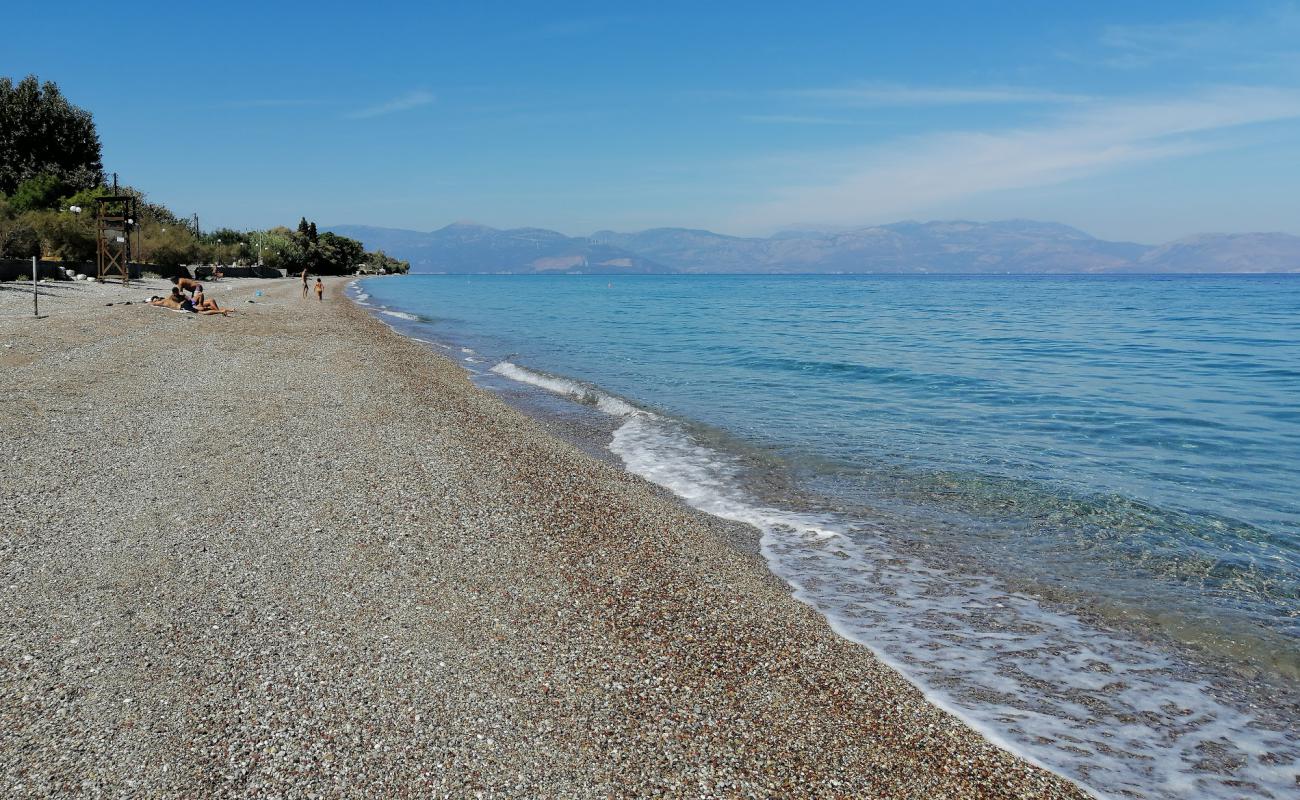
column 19, row 241
column 171, row 246
column 70, row 237
column 38, row 193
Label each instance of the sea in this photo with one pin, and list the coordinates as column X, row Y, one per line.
column 1066, row 507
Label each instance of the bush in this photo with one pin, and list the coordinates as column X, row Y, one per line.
column 19, row 241
column 70, row 237
column 38, row 193
column 171, row 246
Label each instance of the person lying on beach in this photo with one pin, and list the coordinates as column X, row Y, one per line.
column 207, row 305
column 175, row 301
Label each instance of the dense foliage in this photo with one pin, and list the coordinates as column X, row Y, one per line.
column 42, row 134
column 51, row 176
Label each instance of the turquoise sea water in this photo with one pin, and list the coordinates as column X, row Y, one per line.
column 1068, row 507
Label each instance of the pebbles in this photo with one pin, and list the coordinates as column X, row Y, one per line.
column 372, row 579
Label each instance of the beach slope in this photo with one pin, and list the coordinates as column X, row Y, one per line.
column 291, row 553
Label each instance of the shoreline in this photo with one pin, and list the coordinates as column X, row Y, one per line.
column 372, row 575
column 1234, row 705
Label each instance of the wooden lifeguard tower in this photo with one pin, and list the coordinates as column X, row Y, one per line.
column 114, row 218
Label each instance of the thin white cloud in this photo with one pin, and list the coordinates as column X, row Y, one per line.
column 405, row 102
column 1269, row 35
column 889, row 95
column 909, row 176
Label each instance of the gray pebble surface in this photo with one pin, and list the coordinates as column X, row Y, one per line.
column 290, row 554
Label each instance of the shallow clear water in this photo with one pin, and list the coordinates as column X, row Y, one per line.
column 1000, row 484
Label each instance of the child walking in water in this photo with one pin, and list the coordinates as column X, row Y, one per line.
column 320, row 290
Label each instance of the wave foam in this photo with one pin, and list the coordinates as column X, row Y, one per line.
column 563, row 386
column 401, row 315
column 1104, row 710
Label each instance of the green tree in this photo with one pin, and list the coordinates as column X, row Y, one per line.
column 284, row 249
column 338, row 255
column 38, row 193
column 379, row 260
column 85, row 200
column 42, row 133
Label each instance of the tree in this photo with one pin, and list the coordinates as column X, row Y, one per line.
column 38, row 193
column 381, row 261
column 42, row 133
column 284, row 249
column 338, row 255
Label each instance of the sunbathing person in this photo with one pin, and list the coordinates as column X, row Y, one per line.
column 176, row 301
column 207, row 305
column 179, row 302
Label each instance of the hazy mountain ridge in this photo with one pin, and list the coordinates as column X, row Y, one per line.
column 955, row 246
column 467, row 248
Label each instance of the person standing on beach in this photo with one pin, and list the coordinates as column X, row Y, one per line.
column 320, row 289
column 304, row 283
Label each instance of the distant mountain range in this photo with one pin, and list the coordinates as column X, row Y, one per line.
column 1013, row 246
column 464, row 248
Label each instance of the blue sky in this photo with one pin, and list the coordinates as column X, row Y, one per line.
column 1132, row 121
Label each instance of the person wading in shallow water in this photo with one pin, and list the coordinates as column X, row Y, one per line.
column 304, row 283
column 320, row 289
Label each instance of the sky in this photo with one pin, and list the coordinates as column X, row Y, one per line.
column 1133, row 121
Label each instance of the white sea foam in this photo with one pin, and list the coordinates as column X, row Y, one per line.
column 401, row 315
column 563, row 386
column 1095, row 706
column 1098, row 707
column 359, row 295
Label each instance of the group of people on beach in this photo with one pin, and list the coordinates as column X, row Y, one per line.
column 196, row 302
column 320, row 287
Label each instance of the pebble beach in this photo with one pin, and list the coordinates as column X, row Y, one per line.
column 290, row 553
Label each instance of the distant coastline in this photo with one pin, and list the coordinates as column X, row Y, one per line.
column 1016, row 247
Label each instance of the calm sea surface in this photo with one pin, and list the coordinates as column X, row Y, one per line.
column 1068, row 507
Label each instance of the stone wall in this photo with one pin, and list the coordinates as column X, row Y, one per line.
column 19, row 268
